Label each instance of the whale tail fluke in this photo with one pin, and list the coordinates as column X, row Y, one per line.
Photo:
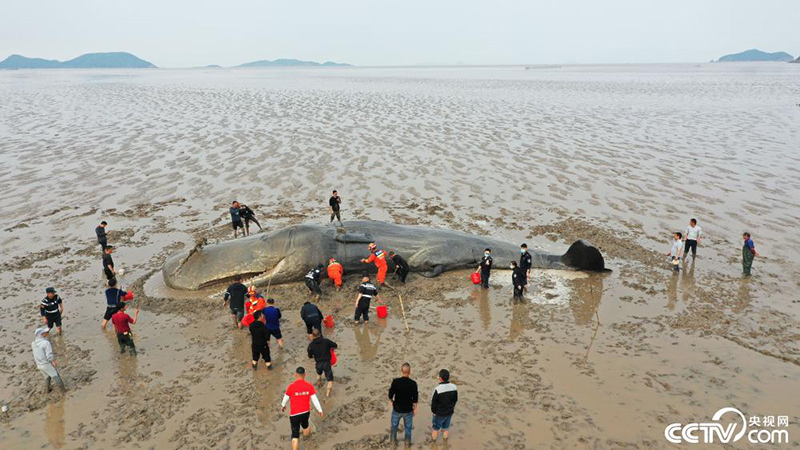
column 584, row 256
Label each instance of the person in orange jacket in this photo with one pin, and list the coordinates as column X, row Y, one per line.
column 335, row 272
column 254, row 302
column 379, row 258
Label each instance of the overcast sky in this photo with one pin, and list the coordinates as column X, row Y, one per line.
column 184, row 33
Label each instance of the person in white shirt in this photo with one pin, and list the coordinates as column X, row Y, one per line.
column 44, row 358
column 694, row 234
column 676, row 251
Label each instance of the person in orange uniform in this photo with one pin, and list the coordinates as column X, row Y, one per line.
column 379, row 258
column 255, row 302
column 335, row 272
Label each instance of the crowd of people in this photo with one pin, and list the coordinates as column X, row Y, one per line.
column 262, row 318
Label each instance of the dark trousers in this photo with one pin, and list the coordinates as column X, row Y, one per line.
column 336, row 214
column 125, row 340
column 485, row 278
column 518, row 288
column 313, row 286
column 103, row 244
column 362, row 311
column 402, row 273
column 247, row 221
column 747, row 260
column 690, row 244
column 260, row 351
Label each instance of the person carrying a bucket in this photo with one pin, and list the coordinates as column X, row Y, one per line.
column 485, row 268
column 379, row 258
column 335, row 273
column 255, row 302
column 321, row 349
column 366, row 292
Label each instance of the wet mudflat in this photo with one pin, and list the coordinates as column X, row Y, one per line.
column 619, row 156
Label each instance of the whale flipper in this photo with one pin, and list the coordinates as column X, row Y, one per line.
column 435, row 272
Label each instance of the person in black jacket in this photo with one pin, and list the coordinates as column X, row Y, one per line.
column 525, row 261
column 404, row 396
column 400, row 266
column 320, row 349
column 312, row 281
column 519, row 279
column 235, row 294
column 485, row 267
column 259, row 340
column 108, row 263
column 100, row 231
column 443, row 405
column 312, row 317
column 249, row 216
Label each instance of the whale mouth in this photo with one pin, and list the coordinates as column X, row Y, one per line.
column 247, row 277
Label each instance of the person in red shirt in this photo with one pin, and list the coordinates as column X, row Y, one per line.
column 300, row 395
column 379, row 258
column 122, row 321
column 335, row 272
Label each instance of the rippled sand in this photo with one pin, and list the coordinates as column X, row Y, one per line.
column 621, row 155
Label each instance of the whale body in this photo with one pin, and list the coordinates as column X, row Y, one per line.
column 288, row 254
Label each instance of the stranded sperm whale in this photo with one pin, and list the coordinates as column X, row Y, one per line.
column 287, row 255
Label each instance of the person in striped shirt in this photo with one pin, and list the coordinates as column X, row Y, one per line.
column 51, row 308
column 366, row 292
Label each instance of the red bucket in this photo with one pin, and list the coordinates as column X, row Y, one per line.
column 383, row 311
column 328, row 322
column 333, row 358
column 475, row 277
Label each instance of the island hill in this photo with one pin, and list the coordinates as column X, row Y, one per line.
column 113, row 60
column 757, row 55
column 123, row 60
column 292, row 63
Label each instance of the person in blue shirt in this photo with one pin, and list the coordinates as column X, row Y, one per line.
column 749, row 253
column 273, row 317
column 114, row 296
column 236, row 219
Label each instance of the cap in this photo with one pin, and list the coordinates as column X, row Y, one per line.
column 372, row 245
column 50, row 290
